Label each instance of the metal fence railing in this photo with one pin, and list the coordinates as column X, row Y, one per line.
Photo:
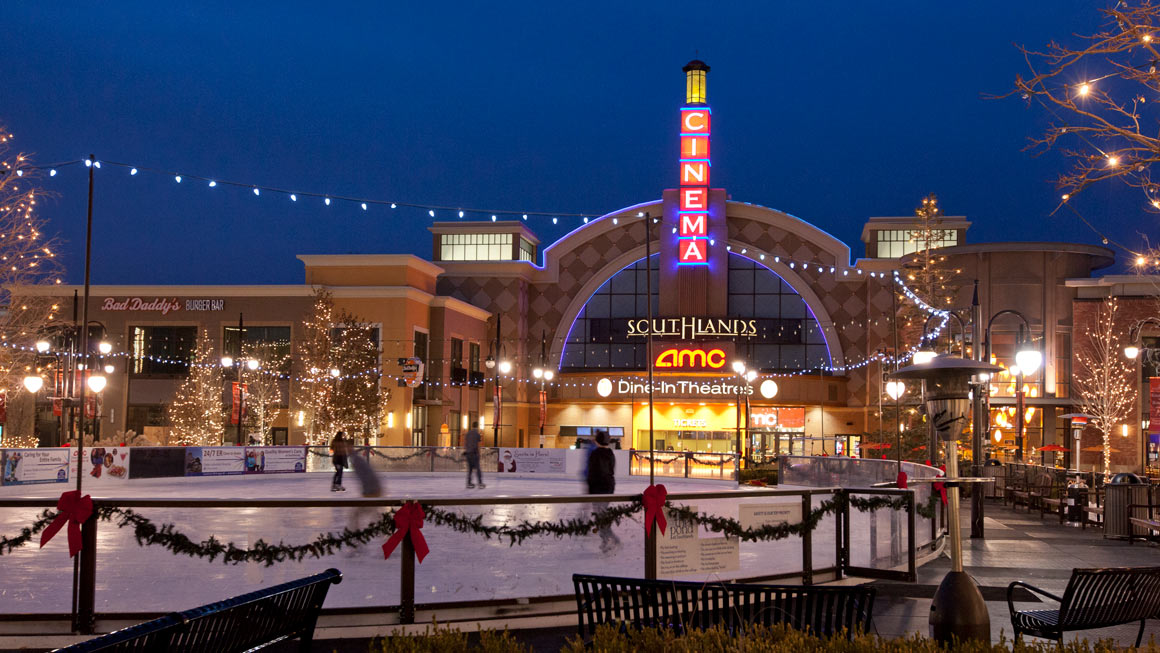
column 684, row 464
column 462, row 569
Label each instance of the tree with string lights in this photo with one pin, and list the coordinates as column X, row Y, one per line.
column 313, row 365
column 1101, row 95
column 927, row 273
column 196, row 415
column 1103, row 376
column 263, row 384
column 27, row 257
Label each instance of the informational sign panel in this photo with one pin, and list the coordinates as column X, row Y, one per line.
column 532, row 461
column 28, row 466
column 682, row 550
column 275, row 460
column 103, row 464
column 214, row 461
column 756, row 515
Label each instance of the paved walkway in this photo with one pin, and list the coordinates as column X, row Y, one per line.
column 1018, row 546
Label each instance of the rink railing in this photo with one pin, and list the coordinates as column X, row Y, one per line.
column 84, row 579
column 684, row 464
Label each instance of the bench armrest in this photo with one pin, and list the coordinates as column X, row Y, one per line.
column 1018, row 583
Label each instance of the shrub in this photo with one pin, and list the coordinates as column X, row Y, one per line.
column 436, row 639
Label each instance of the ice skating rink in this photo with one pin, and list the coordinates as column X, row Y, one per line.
column 460, row 567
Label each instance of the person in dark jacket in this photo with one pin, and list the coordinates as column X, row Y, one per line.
column 338, row 449
column 602, row 480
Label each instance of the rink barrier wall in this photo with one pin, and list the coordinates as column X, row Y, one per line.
column 111, row 465
column 84, row 615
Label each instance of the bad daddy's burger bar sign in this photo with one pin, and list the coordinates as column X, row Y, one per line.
column 162, row 305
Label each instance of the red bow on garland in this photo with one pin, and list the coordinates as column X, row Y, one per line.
column 408, row 523
column 654, row 499
column 901, row 481
column 941, row 488
column 73, row 510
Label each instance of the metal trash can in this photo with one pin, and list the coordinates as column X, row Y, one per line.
column 1077, row 500
column 1123, row 491
column 993, row 469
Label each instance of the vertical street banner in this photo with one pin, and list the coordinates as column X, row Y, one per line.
column 495, row 422
column 1154, row 404
column 3, row 408
column 543, row 408
column 237, row 402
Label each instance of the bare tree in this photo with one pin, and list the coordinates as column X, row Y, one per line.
column 1101, row 94
column 197, row 413
column 28, row 256
column 1103, row 377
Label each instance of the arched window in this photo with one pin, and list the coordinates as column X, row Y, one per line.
column 790, row 338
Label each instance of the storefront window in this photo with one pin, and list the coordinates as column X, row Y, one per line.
column 269, row 342
column 161, row 350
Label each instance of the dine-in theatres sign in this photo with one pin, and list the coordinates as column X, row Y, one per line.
column 673, row 387
column 691, row 358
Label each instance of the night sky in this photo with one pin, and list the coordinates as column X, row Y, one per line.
column 832, row 112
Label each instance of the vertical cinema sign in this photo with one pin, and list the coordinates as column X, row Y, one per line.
column 693, row 207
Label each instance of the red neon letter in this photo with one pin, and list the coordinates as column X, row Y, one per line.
column 695, row 121
column 692, row 251
column 694, row 147
column 694, row 225
column 692, row 199
column 695, row 173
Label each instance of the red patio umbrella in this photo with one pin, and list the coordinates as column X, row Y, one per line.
column 1053, row 447
column 875, row 445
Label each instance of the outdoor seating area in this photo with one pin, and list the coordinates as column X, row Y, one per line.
column 1095, row 598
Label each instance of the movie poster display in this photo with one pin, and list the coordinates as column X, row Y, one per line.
column 29, row 466
column 532, row 461
column 214, row 461
column 275, row 460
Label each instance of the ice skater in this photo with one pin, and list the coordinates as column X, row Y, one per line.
column 339, row 451
column 602, row 480
column 471, row 453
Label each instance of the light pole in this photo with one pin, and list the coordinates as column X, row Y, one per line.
column 1132, row 351
column 1027, row 361
column 895, row 389
column 543, row 375
column 502, row 366
column 746, row 376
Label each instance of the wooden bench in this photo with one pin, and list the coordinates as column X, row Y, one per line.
column 637, row 603
column 1094, row 598
column 243, row 623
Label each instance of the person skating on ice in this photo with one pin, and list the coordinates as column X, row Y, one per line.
column 602, row 480
column 471, row 453
column 339, row 450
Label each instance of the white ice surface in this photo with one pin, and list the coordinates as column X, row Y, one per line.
column 460, row 567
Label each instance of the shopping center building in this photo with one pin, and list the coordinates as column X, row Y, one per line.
column 709, row 283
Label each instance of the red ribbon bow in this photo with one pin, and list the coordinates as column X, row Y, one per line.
column 901, row 481
column 73, row 509
column 654, row 499
column 940, row 487
column 408, row 523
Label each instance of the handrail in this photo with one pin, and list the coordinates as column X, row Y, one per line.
column 141, row 502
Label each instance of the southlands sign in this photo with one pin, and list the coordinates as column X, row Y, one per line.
column 691, row 358
column 690, row 328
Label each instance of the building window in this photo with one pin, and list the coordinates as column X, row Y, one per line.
column 271, row 343
column 896, row 243
column 420, row 352
column 454, row 422
column 1062, row 364
column 527, row 250
column 161, row 350
column 456, row 353
column 475, row 247
column 473, row 355
column 790, row 338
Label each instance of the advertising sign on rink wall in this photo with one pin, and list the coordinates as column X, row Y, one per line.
column 532, row 461
column 27, row 466
column 214, row 461
column 275, row 460
column 103, row 464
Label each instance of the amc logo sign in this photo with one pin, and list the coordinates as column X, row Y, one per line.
column 691, row 358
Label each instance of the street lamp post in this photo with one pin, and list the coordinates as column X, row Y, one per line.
column 1132, row 351
column 746, row 376
column 501, row 366
column 1027, row 361
column 544, row 376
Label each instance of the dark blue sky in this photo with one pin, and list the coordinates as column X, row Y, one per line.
column 832, row 112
